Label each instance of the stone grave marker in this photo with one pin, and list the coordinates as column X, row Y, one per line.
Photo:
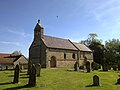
column 118, row 80
column 38, row 69
column 88, row 66
column 94, row 66
column 16, row 74
column 114, row 68
column 105, row 67
column 32, row 76
column 76, row 66
column 119, row 66
column 29, row 67
column 96, row 80
column 81, row 67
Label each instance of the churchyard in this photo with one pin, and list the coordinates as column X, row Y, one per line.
column 61, row 79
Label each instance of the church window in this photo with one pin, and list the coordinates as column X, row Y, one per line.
column 64, row 55
column 73, row 55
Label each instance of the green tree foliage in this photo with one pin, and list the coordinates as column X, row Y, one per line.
column 96, row 46
column 98, row 51
column 90, row 39
column 112, row 52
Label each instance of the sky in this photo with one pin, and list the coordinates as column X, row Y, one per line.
column 69, row 19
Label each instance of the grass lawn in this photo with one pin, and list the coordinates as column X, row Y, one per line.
column 61, row 79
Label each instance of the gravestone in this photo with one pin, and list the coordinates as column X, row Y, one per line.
column 105, row 67
column 16, row 74
column 32, row 76
column 109, row 67
column 81, row 67
column 29, row 67
column 94, row 66
column 114, row 68
column 76, row 66
column 88, row 66
column 6, row 67
column 118, row 80
column 119, row 66
column 95, row 80
column 38, row 69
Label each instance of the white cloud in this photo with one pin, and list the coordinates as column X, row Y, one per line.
column 11, row 43
column 23, row 34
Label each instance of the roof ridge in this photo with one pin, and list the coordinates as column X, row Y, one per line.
column 56, row 37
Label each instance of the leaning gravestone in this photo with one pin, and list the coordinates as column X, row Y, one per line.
column 95, row 80
column 16, row 74
column 29, row 67
column 32, row 76
column 38, row 69
column 88, row 66
column 76, row 66
column 105, row 67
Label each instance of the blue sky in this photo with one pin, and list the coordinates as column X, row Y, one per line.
column 76, row 19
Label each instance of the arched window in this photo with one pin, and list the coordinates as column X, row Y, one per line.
column 73, row 55
column 64, row 55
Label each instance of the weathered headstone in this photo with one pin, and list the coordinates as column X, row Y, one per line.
column 16, row 74
column 6, row 67
column 105, row 67
column 76, row 66
column 95, row 80
column 109, row 67
column 88, row 66
column 114, row 68
column 119, row 66
column 32, row 76
column 81, row 67
column 118, row 80
column 29, row 67
column 38, row 69
column 94, row 66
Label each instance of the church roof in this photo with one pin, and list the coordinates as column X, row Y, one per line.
column 60, row 43
column 82, row 47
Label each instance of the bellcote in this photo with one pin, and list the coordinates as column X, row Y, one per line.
column 38, row 31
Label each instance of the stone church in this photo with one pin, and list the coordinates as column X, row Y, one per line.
column 57, row 52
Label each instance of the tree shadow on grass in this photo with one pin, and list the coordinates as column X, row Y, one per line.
column 11, row 76
column 6, row 83
column 91, row 86
column 70, row 70
column 24, row 77
column 18, row 87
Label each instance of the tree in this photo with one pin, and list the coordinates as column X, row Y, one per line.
column 17, row 53
column 92, row 36
column 90, row 39
column 96, row 46
column 112, row 53
column 98, row 51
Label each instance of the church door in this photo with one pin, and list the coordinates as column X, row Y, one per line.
column 53, row 61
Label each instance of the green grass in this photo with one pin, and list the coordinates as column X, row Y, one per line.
column 61, row 79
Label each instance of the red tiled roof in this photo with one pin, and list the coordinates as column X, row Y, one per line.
column 8, row 58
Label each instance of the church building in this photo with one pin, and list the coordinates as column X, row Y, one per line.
column 57, row 52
